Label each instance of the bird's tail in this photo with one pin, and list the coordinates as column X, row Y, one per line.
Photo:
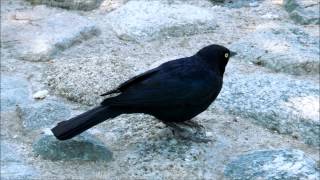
column 74, row 126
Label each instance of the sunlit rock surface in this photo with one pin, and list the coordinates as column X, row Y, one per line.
column 83, row 80
column 283, row 164
column 149, row 20
column 282, row 48
column 14, row 91
column 303, row 11
column 276, row 101
column 40, row 33
column 13, row 165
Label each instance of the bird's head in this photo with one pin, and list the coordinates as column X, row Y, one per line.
column 216, row 56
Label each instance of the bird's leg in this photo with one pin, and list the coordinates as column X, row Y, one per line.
column 175, row 127
column 191, row 124
column 188, row 133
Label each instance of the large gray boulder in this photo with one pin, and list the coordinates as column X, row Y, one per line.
column 13, row 165
column 83, row 147
column 273, row 164
column 14, row 91
column 150, row 20
column 281, row 47
column 40, row 33
column 70, row 4
column 43, row 114
column 277, row 101
column 303, row 11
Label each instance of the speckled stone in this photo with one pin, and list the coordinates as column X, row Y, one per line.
column 279, row 102
column 83, row 147
column 14, row 91
column 150, row 20
column 303, row 11
column 58, row 31
column 273, row 164
column 282, row 48
column 43, row 114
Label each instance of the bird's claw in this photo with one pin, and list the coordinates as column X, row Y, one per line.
column 193, row 124
column 186, row 131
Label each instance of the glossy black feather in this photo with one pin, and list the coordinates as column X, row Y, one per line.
column 131, row 81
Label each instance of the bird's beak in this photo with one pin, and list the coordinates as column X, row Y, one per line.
column 232, row 53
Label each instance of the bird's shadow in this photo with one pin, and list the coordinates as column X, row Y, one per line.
column 168, row 144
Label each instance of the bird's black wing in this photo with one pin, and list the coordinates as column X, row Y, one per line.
column 175, row 83
column 131, row 81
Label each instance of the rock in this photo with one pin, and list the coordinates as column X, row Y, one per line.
column 40, row 33
column 302, row 11
column 83, row 80
column 276, row 101
column 83, row 147
column 12, row 164
column 43, row 114
column 217, row 1
column 239, row 4
column 70, row 4
column 150, row 20
column 284, row 48
column 40, row 94
column 14, row 91
column 110, row 5
column 273, row 164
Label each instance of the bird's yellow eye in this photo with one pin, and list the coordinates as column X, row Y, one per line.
column 226, row 55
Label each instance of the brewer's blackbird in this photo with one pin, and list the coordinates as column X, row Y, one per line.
column 173, row 92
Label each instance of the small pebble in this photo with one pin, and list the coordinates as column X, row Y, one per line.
column 41, row 94
column 270, row 16
column 209, row 134
column 47, row 131
column 173, row 142
column 253, row 4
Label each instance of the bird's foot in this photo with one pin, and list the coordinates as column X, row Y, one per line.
column 193, row 124
column 189, row 132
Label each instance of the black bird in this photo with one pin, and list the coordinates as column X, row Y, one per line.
column 174, row 92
